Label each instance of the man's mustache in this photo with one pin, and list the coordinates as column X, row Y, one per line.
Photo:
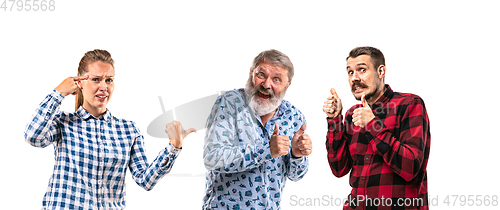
column 358, row 84
column 265, row 90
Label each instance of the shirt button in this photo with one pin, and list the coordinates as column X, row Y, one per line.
column 102, row 146
column 362, row 178
column 367, row 158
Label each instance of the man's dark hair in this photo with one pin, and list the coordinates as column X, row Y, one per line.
column 375, row 54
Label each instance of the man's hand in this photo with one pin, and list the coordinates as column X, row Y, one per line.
column 332, row 106
column 176, row 133
column 362, row 115
column 301, row 143
column 279, row 144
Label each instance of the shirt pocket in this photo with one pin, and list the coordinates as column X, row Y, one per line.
column 83, row 149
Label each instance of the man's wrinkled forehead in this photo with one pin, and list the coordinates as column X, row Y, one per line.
column 361, row 60
column 264, row 68
column 267, row 67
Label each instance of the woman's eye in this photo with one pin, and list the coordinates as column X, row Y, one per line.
column 95, row 79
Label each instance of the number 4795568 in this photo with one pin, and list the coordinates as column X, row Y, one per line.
column 471, row 200
column 28, row 5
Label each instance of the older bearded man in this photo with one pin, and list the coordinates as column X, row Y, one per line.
column 255, row 140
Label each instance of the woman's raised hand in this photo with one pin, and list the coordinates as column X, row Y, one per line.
column 70, row 85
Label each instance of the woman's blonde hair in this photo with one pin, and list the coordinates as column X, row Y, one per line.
column 88, row 58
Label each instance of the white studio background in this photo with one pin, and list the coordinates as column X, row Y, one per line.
column 445, row 51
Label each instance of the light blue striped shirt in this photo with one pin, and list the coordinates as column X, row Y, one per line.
column 242, row 173
column 91, row 156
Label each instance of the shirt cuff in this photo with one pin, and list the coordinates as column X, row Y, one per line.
column 334, row 124
column 299, row 163
column 57, row 94
column 375, row 126
column 170, row 154
column 172, row 150
column 50, row 104
column 298, row 160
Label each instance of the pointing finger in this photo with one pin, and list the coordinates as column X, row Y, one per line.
column 80, row 78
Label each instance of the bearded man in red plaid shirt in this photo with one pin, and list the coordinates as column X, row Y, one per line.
column 384, row 141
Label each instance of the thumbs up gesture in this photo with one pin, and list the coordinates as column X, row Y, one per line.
column 279, row 144
column 301, row 143
column 176, row 133
column 333, row 105
column 362, row 115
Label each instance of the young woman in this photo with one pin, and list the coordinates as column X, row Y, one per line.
column 92, row 147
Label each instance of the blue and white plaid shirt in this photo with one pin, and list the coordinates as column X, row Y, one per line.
column 92, row 155
column 242, row 173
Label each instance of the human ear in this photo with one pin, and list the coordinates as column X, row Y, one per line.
column 381, row 71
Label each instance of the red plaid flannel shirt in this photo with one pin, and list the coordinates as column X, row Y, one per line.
column 387, row 158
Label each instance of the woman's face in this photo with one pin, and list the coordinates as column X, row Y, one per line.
column 98, row 88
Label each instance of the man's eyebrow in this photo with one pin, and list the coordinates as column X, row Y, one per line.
column 358, row 64
column 278, row 74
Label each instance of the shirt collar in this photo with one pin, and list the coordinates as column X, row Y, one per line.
column 281, row 109
column 86, row 115
column 385, row 98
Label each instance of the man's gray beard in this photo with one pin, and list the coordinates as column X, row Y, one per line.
column 259, row 107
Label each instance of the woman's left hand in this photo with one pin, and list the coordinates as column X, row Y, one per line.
column 176, row 133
